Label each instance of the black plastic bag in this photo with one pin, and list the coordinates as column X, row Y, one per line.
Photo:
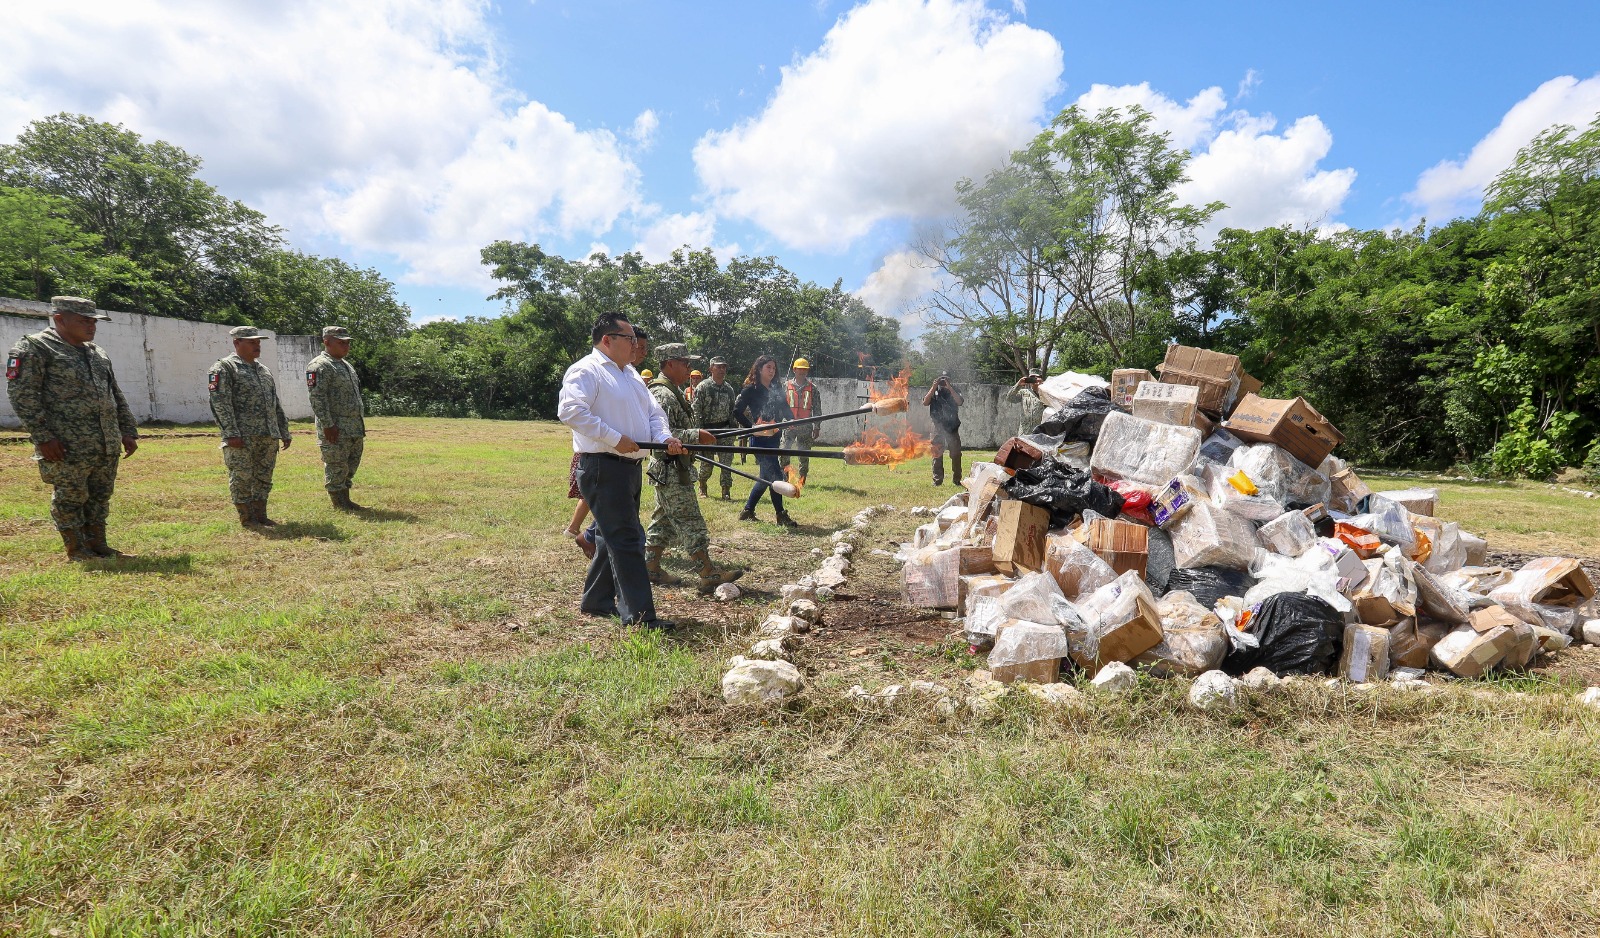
column 1209, row 584
column 1160, row 562
column 1298, row 634
column 1065, row 490
column 1079, row 421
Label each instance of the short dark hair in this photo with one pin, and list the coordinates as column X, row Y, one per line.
column 643, row 335
column 605, row 325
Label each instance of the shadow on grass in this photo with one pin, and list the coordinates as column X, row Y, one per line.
column 148, row 563
column 386, row 514
column 297, row 530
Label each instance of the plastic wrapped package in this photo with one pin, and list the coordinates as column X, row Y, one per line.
column 1480, row 580
column 1159, row 561
column 1034, row 598
column 984, row 616
column 1219, row 446
column 981, row 473
column 1290, row 534
column 1210, row 585
column 1123, row 622
column 1280, row 476
column 925, row 535
column 1285, row 577
column 1134, row 450
column 1094, row 607
column 1436, row 598
column 1563, row 619
column 1028, row 651
column 1075, row 455
column 1079, row 419
column 1477, row 549
column 1411, row 642
column 1078, row 571
column 1417, row 501
column 1548, row 581
column 1449, row 553
column 1389, row 578
column 1390, row 521
column 1207, row 536
column 1192, row 641
column 1057, row 390
column 1169, row 502
column 1466, row 652
column 1366, row 654
column 1296, row 634
column 1256, row 507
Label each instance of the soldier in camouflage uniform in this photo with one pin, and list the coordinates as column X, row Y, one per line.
column 336, row 404
column 244, row 400
column 677, row 515
column 63, row 390
column 1026, row 393
column 713, row 410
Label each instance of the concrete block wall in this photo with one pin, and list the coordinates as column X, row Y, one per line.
column 162, row 363
column 987, row 418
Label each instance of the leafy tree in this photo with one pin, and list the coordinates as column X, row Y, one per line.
column 41, row 251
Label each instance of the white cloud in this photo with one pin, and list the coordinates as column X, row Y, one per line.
column 1455, row 187
column 644, row 129
column 695, row 230
column 896, row 288
column 1187, row 124
column 903, row 99
column 386, row 123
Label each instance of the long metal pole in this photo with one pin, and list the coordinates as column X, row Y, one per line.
column 798, row 421
column 752, row 450
column 738, row 472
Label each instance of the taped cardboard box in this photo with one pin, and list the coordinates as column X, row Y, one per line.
column 1366, row 654
column 1124, row 382
column 1133, row 450
column 1166, row 403
column 1293, row 425
column 1290, row 534
column 934, row 581
column 1466, row 652
column 1216, row 375
column 1490, row 618
column 1076, row 569
column 1375, row 610
column 1523, row 649
column 981, row 584
column 1122, row 545
column 1547, row 581
column 1416, row 501
column 1027, row 651
column 1348, row 490
column 1207, row 536
column 1019, row 539
column 1128, row 628
column 1411, row 642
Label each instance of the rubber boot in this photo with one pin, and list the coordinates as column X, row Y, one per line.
column 703, row 492
column 94, row 536
column 77, row 550
column 341, row 500
column 652, row 563
column 748, row 514
column 786, row 521
column 711, row 575
column 727, row 493
column 261, row 514
column 247, row 513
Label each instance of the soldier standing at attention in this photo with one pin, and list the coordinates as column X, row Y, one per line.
column 244, row 400
column 63, row 390
column 802, row 397
column 677, row 514
column 713, row 410
column 1026, row 393
column 335, row 392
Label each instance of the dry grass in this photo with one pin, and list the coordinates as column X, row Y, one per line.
column 396, row 724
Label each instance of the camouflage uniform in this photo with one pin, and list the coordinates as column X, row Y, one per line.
column 244, row 400
column 335, row 392
column 677, row 516
column 69, row 393
column 1032, row 408
column 713, row 410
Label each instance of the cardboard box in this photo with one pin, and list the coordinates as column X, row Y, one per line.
column 1122, row 545
column 1124, row 381
column 1348, row 490
column 1491, row 618
column 1166, row 403
column 1138, row 632
column 935, row 584
column 1467, row 653
column 1375, row 610
column 1416, row 501
column 1044, row 669
column 1523, row 649
column 1216, row 375
column 1411, row 642
column 1019, row 540
column 1293, row 425
column 1366, row 654
column 1248, row 384
column 979, row 507
column 1204, row 424
column 981, row 584
column 1017, row 453
column 1076, row 568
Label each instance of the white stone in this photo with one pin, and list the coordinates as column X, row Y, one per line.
column 1406, row 675
column 835, row 562
column 816, row 552
column 761, row 682
column 1212, row 690
column 946, row 708
column 1591, row 631
column 1060, row 695
column 770, row 649
column 778, row 626
column 805, row 609
column 793, row 591
column 1116, row 677
column 880, row 552
column 726, row 592
column 920, row 511
column 806, row 582
column 830, row 579
column 1260, row 679
column 825, row 593
column 840, row 536
column 927, row 689
column 1591, row 697
column 844, row 548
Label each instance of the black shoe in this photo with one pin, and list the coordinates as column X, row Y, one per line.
column 748, row 515
column 657, row 625
column 611, row 613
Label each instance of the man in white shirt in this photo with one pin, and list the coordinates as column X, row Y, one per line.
column 609, row 409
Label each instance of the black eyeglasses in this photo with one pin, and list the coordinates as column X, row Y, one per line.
column 623, row 335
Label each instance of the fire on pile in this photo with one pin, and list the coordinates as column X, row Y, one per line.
column 1187, row 525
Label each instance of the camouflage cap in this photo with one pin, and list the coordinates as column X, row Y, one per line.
column 674, row 351
column 78, row 305
column 335, row 332
column 719, row 360
column 246, row 332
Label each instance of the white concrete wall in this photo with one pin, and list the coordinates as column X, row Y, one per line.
column 987, row 419
column 162, row 363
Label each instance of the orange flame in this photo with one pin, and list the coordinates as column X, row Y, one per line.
column 900, row 443
column 795, row 479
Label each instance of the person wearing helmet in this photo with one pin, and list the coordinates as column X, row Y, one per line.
column 689, row 386
column 802, row 397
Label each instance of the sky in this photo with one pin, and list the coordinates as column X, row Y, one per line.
column 407, row 134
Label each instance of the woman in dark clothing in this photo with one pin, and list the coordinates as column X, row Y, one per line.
column 762, row 401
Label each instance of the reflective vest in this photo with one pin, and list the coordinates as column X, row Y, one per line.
column 802, row 400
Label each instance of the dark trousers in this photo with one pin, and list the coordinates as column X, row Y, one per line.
column 946, row 441
column 617, row 583
column 771, row 471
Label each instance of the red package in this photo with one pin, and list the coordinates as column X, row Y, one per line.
column 1135, row 502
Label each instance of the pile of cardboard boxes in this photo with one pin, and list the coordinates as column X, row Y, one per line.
column 1228, row 498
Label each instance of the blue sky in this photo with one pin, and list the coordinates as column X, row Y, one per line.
column 405, row 134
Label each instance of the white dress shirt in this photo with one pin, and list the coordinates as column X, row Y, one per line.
column 602, row 403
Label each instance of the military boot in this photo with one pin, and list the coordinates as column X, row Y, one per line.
column 77, row 550
column 748, row 514
column 341, row 500
column 711, row 575
column 703, row 492
column 652, row 563
column 94, row 536
column 727, row 493
column 247, row 513
column 260, row 511
column 786, row 521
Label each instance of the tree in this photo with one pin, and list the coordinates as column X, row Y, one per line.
column 41, row 251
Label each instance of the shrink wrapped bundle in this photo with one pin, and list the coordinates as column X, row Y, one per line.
column 1280, row 476
column 1142, row 451
column 1207, row 536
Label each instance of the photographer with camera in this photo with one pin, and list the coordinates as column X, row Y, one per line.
column 944, row 407
column 1026, row 393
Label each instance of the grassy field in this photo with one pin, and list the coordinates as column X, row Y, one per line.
column 396, row 724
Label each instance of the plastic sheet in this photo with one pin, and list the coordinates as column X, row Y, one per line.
column 1255, row 508
column 1079, row 420
column 1035, row 598
column 1026, row 642
column 1208, row 585
column 1159, row 561
column 1078, row 571
column 1277, row 574
column 1209, row 537
column 1297, row 634
column 1389, row 577
column 1192, row 642
column 1065, row 491
column 1280, row 476
column 1135, row 502
column 1143, row 451
column 1290, row 534
column 1058, row 390
column 1449, row 552
column 1388, row 520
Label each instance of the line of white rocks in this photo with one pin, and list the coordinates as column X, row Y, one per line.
column 766, row 673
